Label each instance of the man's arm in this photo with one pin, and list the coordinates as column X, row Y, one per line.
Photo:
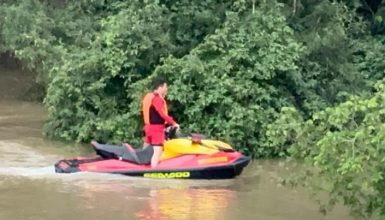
column 158, row 104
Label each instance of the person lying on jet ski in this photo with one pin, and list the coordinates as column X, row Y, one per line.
column 155, row 116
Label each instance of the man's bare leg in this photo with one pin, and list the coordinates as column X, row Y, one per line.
column 156, row 156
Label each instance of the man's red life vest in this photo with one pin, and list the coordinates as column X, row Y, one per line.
column 154, row 110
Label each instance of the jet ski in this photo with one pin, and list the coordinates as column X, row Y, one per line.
column 191, row 157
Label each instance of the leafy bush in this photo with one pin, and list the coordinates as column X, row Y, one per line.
column 344, row 146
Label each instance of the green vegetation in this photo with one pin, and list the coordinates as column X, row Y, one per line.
column 345, row 144
column 300, row 79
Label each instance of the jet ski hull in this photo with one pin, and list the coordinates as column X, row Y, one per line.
column 222, row 165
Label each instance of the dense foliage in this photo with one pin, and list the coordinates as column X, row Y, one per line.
column 274, row 78
column 345, row 145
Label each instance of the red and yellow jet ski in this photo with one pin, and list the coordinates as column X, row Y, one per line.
column 192, row 157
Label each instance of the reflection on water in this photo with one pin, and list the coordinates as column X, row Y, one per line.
column 101, row 196
column 29, row 188
column 187, row 203
column 24, row 198
column 158, row 203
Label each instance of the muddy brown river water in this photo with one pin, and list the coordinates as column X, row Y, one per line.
column 30, row 189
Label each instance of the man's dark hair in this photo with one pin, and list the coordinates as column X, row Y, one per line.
column 157, row 82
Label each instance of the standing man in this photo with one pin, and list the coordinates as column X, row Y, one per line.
column 155, row 116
